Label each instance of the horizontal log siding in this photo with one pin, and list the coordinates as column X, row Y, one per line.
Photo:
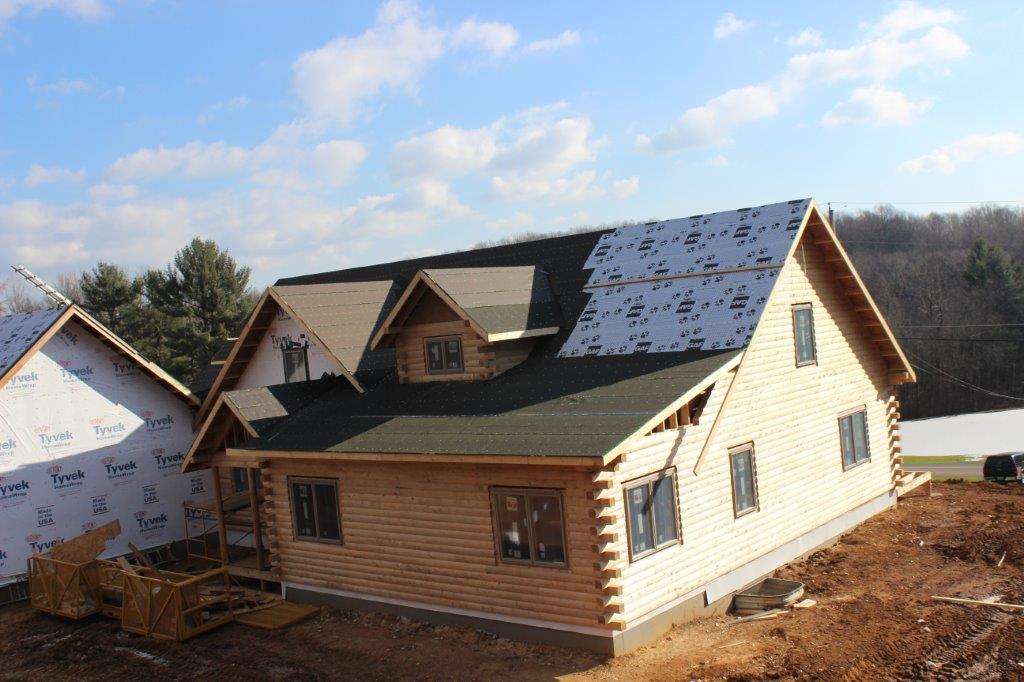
column 790, row 414
column 477, row 354
column 424, row 532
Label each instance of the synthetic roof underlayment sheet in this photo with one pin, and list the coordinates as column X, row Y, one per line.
column 697, row 283
column 19, row 332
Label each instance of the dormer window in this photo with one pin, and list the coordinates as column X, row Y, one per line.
column 296, row 365
column 444, row 355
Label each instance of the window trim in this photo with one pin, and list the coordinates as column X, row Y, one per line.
column 305, row 362
column 745, row 447
column 867, row 437
column 647, row 480
column 495, row 491
column 426, row 357
column 796, row 342
column 312, row 480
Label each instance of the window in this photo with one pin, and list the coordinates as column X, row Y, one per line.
column 803, row 331
column 853, row 438
column 296, row 367
column 315, row 509
column 530, row 525
column 653, row 514
column 744, row 480
column 239, row 480
column 444, row 355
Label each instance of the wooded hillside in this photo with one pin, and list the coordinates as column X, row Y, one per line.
column 952, row 288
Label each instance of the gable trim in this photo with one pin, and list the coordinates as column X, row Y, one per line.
column 217, row 387
column 386, row 330
column 222, row 401
column 713, row 378
column 109, row 338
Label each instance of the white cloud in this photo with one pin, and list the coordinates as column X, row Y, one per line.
column 336, row 79
column 729, row 24
column 337, row 159
column 88, row 10
column 876, row 105
column 52, row 255
column 64, row 86
column 945, row 160
column 43, row 175
column 713, row 123
column 225, row 106
column 548, row 149
column 909, row 37
column 719, row 161
column 808, row 37
column 446, row 151
column 491, row 36
column 567, row 38
column 105, row 191
column 193, row 160
column 331, row 162
column 520, row 220
column 583, row 186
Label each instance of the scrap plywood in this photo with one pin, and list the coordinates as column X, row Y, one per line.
column 277, row 615
column 86, row 547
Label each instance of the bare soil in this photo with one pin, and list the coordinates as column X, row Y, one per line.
column 874, row 620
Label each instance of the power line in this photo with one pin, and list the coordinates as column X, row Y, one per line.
column 956, row 326
column 946, row 376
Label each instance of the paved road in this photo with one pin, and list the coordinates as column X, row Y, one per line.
column 948, row 468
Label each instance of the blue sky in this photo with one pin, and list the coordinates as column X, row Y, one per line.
column 308, row 136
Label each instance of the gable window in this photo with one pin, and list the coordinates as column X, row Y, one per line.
column 296, row 365
column 653, row 513
column 744, row 480
column 853, row 438
column 315, row 514
column 530, row 525
column 444, row 355
column 803, row 331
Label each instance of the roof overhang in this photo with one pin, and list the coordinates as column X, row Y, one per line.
column 222, row 409
column 539, row 460
column 245, row 346
column 73, row 313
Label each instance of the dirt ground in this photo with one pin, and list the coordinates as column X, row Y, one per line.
column 874, row 620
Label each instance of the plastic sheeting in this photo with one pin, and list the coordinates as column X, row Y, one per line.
column 87, row 437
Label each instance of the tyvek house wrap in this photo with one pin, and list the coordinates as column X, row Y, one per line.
column 85, row 438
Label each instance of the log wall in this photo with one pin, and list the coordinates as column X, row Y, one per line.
column 791, row 415
column 424, row 532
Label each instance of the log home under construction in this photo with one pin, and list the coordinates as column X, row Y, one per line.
column 577, row 440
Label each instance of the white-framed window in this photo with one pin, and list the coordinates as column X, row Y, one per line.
column 744, row 480
column 803, row 332
column 530, row 526
column 853, row 437
column 315, row 513
column 443, row 355
column 653, row 513
column 296, row 365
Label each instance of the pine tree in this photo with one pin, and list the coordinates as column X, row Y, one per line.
column 112, row 297
column 200, row 299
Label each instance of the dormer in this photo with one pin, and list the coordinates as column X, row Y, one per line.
column 460, row 324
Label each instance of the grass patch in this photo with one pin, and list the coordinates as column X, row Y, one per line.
column 940, row 459
column 958, row 477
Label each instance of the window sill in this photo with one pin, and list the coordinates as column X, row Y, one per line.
column 848, row 467
column 746, row 512
column 651, row 552
column 532, row 564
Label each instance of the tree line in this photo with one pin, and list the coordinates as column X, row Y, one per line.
column 952, row 288
column 950, row 285
column 176, row 317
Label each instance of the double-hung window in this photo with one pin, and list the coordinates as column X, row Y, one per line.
column 744, row 480
column 444, row 355
column 315, row 513
column 651, row 504
column 853, row 437
column 803, row 331
column 296, row 365
column 530, row 525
